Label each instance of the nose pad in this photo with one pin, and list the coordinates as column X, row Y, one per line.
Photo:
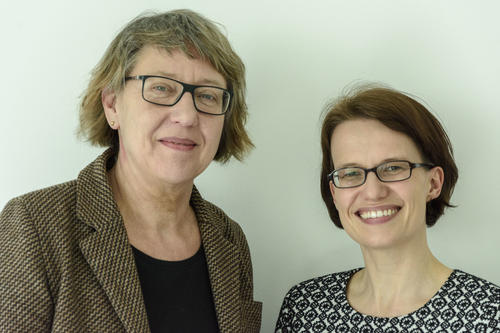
column 184, row 111
column 374, row 188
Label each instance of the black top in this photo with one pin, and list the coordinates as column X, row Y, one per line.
column 177, row 294
column 464, row 303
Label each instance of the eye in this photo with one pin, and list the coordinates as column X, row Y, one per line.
column 393, row 168
column 350, row 173
column 159, row 87
column 208, row 96
column 164, row 89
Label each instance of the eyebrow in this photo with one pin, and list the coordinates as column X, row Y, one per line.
column 201, row 82
column 352, row 164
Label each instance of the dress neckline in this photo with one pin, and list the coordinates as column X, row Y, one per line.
column 352, row 310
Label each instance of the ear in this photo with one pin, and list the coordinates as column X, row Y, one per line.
column 108, row 99
column 332, row 190
column 436, row 179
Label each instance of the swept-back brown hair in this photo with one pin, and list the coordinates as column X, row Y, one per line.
column 400, row 113
column 182, row 30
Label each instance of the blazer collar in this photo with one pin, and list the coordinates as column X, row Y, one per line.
column 107, row 249
column 223, row 261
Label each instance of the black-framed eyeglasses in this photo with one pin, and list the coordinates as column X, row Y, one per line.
column 161, row 90
column 392, row 171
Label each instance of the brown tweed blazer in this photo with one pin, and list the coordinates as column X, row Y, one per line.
column 66, row 264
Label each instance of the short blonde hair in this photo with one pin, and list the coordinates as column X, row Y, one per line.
column 182, row 30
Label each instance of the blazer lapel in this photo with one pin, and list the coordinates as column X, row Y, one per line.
column 223, row 267
column 107, row 249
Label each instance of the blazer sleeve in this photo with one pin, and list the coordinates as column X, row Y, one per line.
column 25, row 301
column 251, row 310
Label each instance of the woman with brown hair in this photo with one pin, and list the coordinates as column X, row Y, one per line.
column 130, row 245
column 388, row 173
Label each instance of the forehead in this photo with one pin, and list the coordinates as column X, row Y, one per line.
column 176, row 64
column 367, row 143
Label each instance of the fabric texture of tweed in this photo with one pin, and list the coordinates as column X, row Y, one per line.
column 66, row 264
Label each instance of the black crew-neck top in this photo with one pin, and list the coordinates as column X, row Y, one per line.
column 177, row 294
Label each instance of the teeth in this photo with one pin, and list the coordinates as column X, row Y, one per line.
column 378, row 213
column 181, row 144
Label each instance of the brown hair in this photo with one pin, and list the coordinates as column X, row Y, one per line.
column 400, row 113
column 182, row 30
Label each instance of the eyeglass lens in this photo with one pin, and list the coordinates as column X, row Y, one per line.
column 389, row 172
column 167, row 92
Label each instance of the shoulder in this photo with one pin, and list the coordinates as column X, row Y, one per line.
column 468, row 286
column 33, row 226
column 473, row 299
column 44, row 203
column 308, row 299
column 43, row 219
column 50, row 213
column 224, row 222
column 210, row 214
column 326, row 285
column 51, row 193
column 58, row 202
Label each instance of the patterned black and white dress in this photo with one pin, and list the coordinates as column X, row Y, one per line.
column 464, row 303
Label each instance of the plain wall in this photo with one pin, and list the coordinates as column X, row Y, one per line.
column 298, row 55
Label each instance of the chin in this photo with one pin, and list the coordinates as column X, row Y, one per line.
column 379, row 244
column 175, row 176
column 375, row 240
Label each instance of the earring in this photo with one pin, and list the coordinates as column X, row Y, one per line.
column 112, row 123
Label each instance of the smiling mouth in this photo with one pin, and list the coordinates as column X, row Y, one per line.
column 377, row 213
column 179, row 142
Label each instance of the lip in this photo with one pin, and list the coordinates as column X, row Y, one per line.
column 179, row 144
column 381, row 210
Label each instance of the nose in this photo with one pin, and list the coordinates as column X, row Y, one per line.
column 184, row 111
column 373, row 188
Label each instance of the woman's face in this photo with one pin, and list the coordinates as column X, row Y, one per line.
column 171, row 144
column 368, row 143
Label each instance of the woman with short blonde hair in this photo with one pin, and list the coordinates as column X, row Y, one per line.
column 130, row 245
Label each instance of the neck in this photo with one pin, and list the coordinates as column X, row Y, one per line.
column 147, row 201
column 158, row 218
column 397, row 280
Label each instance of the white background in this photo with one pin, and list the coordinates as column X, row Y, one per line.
column 298, row 55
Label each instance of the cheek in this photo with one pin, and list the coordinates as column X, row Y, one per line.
column 417, row 193
column 218, row 134
column 136, row 131
column 343, row 201
column 416, row 201
column 213, row 131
